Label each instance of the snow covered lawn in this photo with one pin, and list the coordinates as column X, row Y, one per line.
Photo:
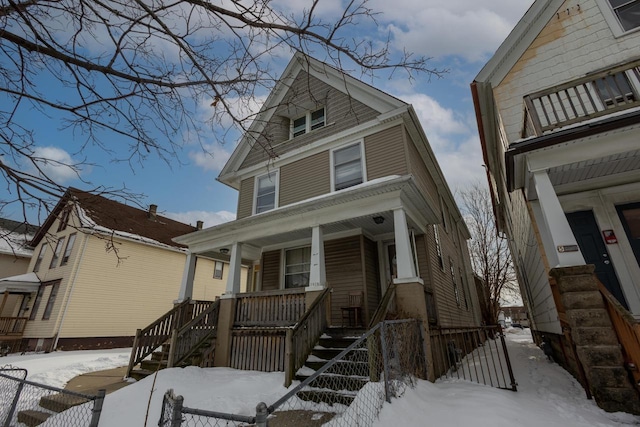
column 547, row 395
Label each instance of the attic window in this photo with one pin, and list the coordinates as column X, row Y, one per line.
column 310, row 121
column 64, row 218
column 627, row 13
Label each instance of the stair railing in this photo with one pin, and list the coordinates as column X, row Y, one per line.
column 627, row 329
column 158, row 332
column 301, row 339
column 382, row 309
column 185, row 342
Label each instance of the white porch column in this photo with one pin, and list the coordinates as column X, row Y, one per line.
column 235, row 267
column 186, row 286
column 565, row 251
column 317, row 275
column 404, row 258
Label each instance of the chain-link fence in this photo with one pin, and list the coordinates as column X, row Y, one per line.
column 348, row 390
column 24, row 402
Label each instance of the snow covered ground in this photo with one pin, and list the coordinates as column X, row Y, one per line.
column 547, row 395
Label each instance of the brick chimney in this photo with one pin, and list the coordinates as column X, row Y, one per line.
column 152, row 211
column 199, row 225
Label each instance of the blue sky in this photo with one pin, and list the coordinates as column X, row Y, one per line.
column 460, row 35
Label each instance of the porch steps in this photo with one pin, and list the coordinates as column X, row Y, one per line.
column 33, row 418
column 339, row 384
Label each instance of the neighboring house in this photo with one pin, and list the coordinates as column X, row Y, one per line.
column 339, row 189
column 558, row 109
column 102, row 268
column 15, row 253
column 517, row 314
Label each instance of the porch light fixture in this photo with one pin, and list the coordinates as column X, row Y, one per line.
column 378, row 219
column 224, row 251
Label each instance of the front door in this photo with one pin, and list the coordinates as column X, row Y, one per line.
column 587, row 233
column 630, row 217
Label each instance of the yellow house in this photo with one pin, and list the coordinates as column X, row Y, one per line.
column 100, row 270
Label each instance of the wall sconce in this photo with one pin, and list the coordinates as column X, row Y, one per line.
column 378, row 219
column 224, row 251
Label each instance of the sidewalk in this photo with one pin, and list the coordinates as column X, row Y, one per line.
column 110, row 380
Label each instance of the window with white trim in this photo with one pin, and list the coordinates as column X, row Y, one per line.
column 347, row 166
column 218, row 269
column 312, row 120
column 266, row 186
column 436, row 235
column 52, row 300
column 43, row 250
column 627, row 12
column 456, row 290
column 297, row 266
column 68, row 249
column 56, row 253
column 36, row 303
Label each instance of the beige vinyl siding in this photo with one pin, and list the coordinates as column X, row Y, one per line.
column 305, row 178
column 205, row 287
column 270, row 267
column 372, row 277
column 11, row 265
column 120, row 297
column 344, row 269
column 245, row 198
column 385, row 153
column 423, row 178
column 341, row 112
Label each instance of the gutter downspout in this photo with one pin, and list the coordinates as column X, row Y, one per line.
column 73, row 283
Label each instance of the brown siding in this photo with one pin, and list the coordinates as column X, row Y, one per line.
column 343, row 265
column 342, row 112
column 308, row 177
column 384, row 152
column 418, row 169
column 270, row 270
column 372, row 275
column 423, row 259
column 245, row 198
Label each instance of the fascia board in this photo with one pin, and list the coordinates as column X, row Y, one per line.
column 518, row 40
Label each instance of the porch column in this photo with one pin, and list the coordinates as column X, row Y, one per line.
column 235, row 266
column 404, row 258
column 565, row 251
column 186, row 286
column 317, row 275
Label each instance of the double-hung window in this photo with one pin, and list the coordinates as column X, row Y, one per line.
column 266, row 186
column 297, row 266
column 217, row 270
column 310, row 121
column 51, row 301
column 627, row 13
column 56, row 253
column 43, row 250
column 68, row 249
column 347, row 167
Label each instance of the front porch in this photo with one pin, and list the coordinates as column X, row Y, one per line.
column 15, row 294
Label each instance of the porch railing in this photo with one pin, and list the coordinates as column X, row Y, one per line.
column 270, row 308
column 12, row 326
column 582, row 99
column 304, row 336
column 158, row 332
column 627, row 329
column 187, row 340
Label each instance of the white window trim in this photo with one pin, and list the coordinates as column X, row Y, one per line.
column 255, row 190
column 307, row 123
column 612, row 20
column 332, row 162
column 283, row 263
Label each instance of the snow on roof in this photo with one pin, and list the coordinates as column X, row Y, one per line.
column 14, row 239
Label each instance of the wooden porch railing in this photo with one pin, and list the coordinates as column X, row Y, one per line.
column 158, row 332
column 383, row 308
column 582, row 99
column 270, row 308
column 185, row 342
column 303, row 337
column 627, row 329
column 12, row 326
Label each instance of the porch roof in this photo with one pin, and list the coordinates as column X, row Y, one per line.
column 21, row 284
column 347, row 207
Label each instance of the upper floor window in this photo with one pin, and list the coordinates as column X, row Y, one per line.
column 266, row 191
column 68, row 249
column 310, row 121
column 436, row 236
column 56, row 253
column 64, row 218
column 627, row 12
column 51, row 301
column 297, row 267
column 43, row 250
column 348, row 169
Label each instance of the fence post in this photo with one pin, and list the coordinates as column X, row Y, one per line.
column 172, row 348
column 14, row 404
column 385, row 361
column 289, row 357
column 514, row 384
column 97, row 408
column 261, row 415
column 176, row 412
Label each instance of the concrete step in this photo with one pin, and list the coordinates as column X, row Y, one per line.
column 61, row 402
column 326, row 396
column 32, row 418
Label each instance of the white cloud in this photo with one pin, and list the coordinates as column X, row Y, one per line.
column 55, row 163
column 212, row 157
column 209, row 218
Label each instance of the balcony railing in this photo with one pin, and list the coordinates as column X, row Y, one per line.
column 12, row 326
column 596, row 95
